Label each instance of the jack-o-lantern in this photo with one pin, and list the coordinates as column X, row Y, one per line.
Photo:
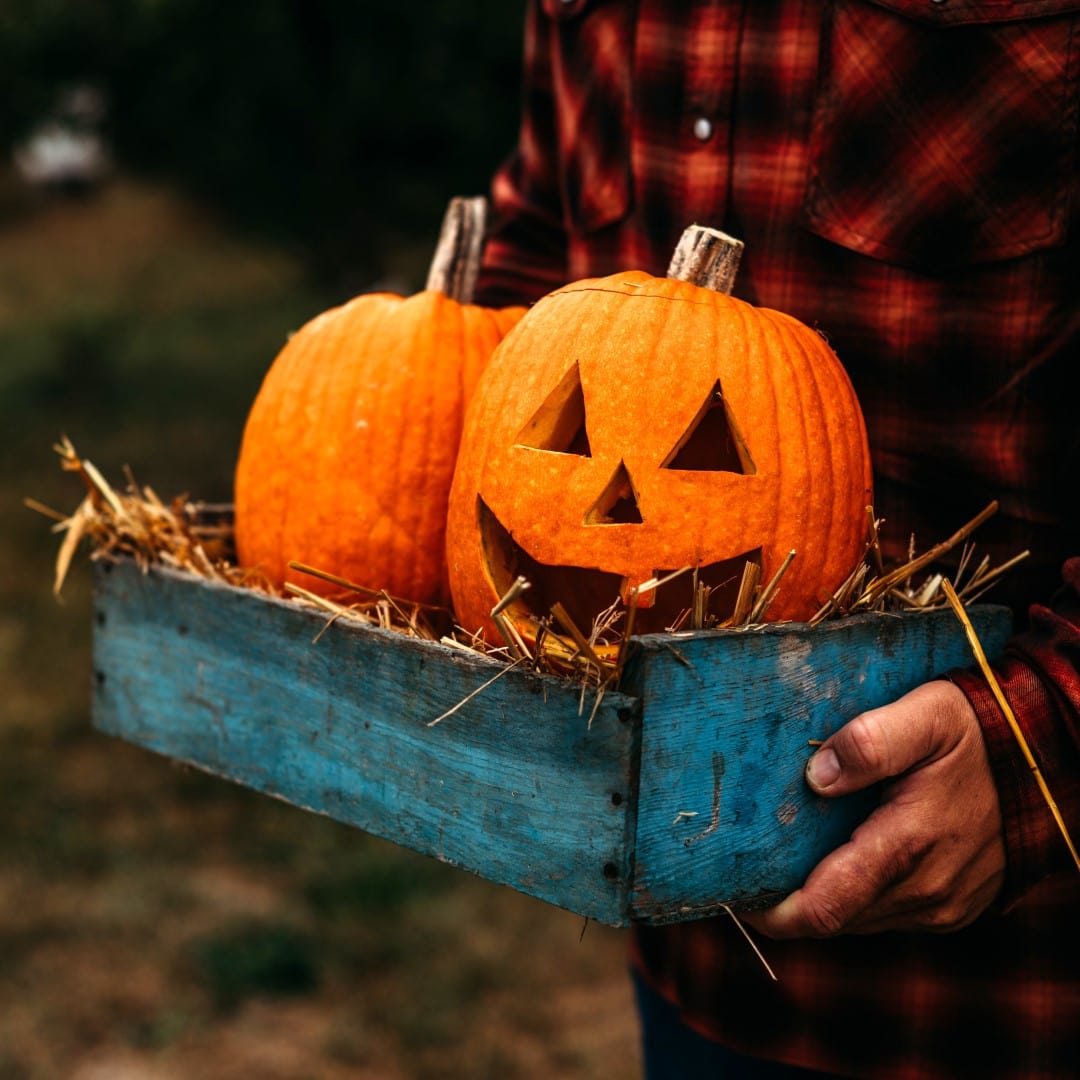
column 349, row 447
column 631, row 426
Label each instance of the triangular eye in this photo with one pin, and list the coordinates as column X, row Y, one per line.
column 559, row 424
column 617, row 504
column 712, row 443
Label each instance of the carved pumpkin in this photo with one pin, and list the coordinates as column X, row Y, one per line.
column 349, row 448
column 631, row 426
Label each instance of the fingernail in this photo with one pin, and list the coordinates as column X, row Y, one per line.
column 823, row 769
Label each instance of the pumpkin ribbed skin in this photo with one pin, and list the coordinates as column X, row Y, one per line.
column 648, row 353
column 349, row 447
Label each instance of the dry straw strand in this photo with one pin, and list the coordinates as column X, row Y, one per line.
column 769, row 592
column 196, row 538
column 1010, row 716
column 137, row 525
column 479, row 690
column 753, row 945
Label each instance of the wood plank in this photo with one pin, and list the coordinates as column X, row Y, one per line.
column 724, row 814
column 516, row 786
column 684, row 794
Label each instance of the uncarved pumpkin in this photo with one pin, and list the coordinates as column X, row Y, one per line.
column 633, row 425
column 349, row 448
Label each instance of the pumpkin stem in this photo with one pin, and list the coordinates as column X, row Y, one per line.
column 456, row 263
column 706, row 257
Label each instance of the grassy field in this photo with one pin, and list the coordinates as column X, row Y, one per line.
column 155, row 922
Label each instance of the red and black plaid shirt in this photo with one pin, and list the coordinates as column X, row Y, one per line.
column 903, row 173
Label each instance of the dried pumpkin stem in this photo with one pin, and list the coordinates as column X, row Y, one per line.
column 456, row 263
column 706, row 257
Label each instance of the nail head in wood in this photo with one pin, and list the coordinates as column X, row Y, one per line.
column 456, row 263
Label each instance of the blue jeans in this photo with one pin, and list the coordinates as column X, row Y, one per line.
column 672, row 1051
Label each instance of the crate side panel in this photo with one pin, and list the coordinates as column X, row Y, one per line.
column 515, row 786
column 725, row 816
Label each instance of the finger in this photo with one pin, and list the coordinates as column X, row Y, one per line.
column 886, row 742
column 824, row 907
column 779, row 925
column 860, row 881
column 885, row 878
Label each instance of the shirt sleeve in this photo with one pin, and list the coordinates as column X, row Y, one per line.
column 1039, row 675
column 526, row 250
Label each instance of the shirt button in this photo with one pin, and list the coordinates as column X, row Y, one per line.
column 703, row 128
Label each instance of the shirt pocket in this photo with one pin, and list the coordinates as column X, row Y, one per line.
column 944, row 133
column 591, row 43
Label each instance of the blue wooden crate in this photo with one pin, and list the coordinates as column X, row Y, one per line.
column 677, row 796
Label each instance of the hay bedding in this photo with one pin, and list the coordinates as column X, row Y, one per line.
column 185, row 535
column 197, row 538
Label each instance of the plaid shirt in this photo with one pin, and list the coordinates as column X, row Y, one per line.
column 903, row 175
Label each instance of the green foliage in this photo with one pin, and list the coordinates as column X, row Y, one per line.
column 337, row 127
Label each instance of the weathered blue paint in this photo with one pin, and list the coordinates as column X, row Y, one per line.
column 683, row 793
column 515, row 786
column 724, row 816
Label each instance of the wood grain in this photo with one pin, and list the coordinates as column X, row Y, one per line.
column 724, row 815
column 515, row 786
column 684, row 793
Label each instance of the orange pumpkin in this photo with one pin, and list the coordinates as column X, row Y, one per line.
column 630, row 426
column 349, row 448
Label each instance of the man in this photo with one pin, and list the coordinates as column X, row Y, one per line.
column 903, row 176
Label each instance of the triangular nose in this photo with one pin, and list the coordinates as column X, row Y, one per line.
column 617, row 504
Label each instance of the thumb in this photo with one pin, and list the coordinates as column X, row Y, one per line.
column 885, row 742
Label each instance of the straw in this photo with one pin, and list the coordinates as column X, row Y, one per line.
column 1010, row 717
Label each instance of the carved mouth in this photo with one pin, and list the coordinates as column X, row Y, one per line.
column 585, row 593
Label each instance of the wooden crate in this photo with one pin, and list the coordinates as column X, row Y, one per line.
column 679, row 795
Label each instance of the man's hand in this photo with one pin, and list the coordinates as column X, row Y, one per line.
column 931, row 855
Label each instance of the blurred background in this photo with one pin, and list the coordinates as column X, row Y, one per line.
column 183, row 183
